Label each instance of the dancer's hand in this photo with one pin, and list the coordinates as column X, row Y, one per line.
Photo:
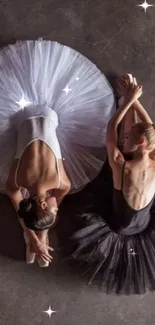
column 135, row 92
column 41, row 249
column 118, row 157
column 122, row 88
column 124, row 83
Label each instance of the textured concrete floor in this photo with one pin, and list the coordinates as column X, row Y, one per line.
column 119, row 37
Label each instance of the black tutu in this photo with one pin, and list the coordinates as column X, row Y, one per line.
column 120, row 264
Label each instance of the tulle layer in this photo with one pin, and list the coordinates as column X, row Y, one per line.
column 49, row 74
column 120, row 264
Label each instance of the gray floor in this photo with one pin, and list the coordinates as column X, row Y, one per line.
column 119, row 37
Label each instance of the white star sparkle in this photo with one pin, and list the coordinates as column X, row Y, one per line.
column 132, row 252
column 67, row 90
column 77, row 78
column 22, row 103
column 145, row 5
column 49, row 311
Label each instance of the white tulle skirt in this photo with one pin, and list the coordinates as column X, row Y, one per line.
column 50, row 74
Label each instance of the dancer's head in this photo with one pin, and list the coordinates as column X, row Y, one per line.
column 141, row 137
column 38, row 213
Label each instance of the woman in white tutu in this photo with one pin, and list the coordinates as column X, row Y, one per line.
column 54, row 109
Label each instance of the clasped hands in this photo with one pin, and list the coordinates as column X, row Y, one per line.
column 41, row 249
column 127, row 86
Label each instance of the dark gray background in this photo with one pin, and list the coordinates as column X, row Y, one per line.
column 118, row 37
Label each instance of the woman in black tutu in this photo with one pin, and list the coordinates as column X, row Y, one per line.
column 121, row 250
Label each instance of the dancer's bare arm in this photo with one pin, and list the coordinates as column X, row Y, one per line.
column 123, row 86
column 141, row 112
column 16, row 197
column 114, row 154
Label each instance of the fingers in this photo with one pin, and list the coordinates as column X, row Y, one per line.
column 135, row 81
column 46, row 258
column 124, row 81
column 127, row 80
column 50, row 248
column 139, row 87
column 129, row 77
column 130, row 80
column 122, row 88
column 127, row 84
column 135, row 86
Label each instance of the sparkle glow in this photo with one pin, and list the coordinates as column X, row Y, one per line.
column 77, row 78
column 67, row 90
column 132, row 252
column 23, row 103
column 49, row 312
column 145, row 5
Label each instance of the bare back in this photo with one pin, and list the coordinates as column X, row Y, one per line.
column 138, row 182
column 37, row 164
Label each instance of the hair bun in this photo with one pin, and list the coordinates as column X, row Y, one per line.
column 24, row 206
column 28, row 205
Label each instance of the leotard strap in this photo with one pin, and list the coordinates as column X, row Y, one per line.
column 58, row 171
column 122, row 176
column 15, row 176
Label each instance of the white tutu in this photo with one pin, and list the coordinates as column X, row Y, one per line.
column 50, row 74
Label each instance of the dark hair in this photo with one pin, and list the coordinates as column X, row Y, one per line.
column 34, row 217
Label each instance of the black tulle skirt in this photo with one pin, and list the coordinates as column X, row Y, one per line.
column 119, row 264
